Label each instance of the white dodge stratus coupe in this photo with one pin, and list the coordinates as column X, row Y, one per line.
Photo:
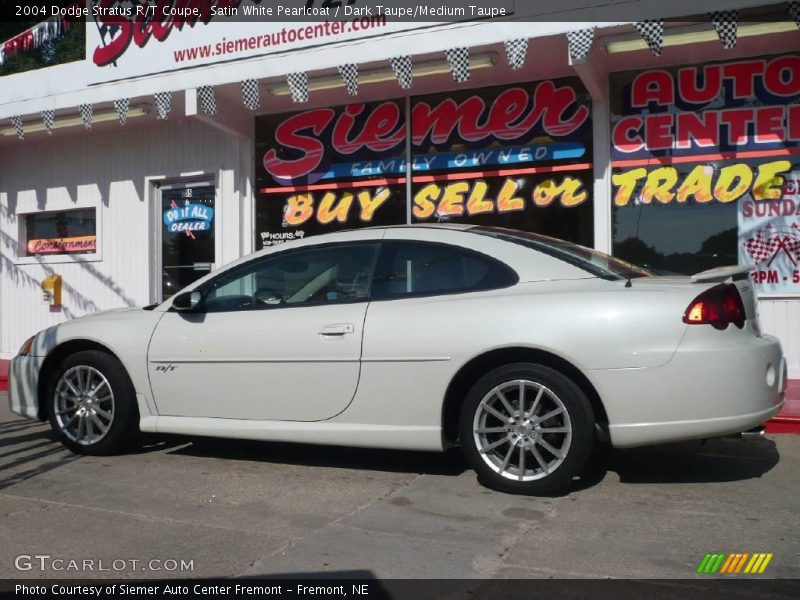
column 520, row 348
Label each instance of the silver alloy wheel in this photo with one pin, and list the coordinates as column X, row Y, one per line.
column 522, row 430
column 84, row 405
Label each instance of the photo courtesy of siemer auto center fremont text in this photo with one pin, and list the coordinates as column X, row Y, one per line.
column 420, row 299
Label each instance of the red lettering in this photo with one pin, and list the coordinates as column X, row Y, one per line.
column 288, row 134
column 702, row 128
column 506, row 110
column 513, row 114
column 689, row 89
column 775, row 78
column 623, row 140
column 343, row 127
column 737, row 120
column 793, row 123
column 769, row 124
column 653, row 86
column 141, row 28
column 743, row 75
column 658, row 132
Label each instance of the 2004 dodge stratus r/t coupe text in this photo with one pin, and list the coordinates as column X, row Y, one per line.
column 523, row 349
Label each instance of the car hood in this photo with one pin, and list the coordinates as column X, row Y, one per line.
column 105, row 314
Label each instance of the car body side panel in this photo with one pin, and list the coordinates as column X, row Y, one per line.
column 414, row 347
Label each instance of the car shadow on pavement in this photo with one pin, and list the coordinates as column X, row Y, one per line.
column 449, row 463
column 711, row 461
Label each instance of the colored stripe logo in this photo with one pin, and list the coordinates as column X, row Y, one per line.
column 735, row 563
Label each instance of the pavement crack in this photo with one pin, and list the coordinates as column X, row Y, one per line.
column 124, row 513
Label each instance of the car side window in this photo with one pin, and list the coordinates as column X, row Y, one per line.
column 410, row 268
column 319, row 275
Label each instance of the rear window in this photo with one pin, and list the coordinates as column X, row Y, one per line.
column 594, row 262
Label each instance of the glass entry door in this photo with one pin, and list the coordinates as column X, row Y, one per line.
column 187, row 235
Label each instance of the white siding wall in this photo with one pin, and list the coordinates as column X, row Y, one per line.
column 112, row 171
column 781, row 318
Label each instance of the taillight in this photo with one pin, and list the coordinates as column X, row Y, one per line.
column 718, row 307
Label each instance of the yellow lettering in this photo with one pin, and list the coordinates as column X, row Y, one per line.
column 369, row 204
column 299, row 209
column 573, row 193
column 477, row 205
column 733, row 183
column 626, row 183
column 452, row 203
column 659, row 185
column 506, row 200
column 697, row 184
column 425, row 201
column 769, row 185
column 327, row 212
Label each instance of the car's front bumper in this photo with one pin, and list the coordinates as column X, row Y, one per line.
column 708, row 389
column 23, row 384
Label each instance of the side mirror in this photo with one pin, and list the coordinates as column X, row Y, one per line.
column 187, row 301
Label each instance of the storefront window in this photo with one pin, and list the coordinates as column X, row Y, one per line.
column 61, row 232
column 517, row 156
column 328, row 169
column 706, row 170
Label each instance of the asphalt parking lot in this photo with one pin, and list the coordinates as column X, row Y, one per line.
column 252, row 509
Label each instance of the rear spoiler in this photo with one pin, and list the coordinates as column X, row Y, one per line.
column 732, row 273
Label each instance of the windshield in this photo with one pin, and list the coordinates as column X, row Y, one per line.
column 595, row 262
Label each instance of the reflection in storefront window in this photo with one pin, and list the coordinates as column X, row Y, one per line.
column 676, row 238
column 61, row 232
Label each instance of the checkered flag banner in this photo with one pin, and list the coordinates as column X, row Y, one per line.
column 794, row 11
column 86, row 115
column 580, row 43
column 458, row 59
column 516, row 52
column 16, row 121
column 298, row 86
column 725, row 24
column 653, row 33
column 49, row 117
column 793, row 244
column 163, row 104
column 207, row 99
column 404, row 71
column 762, row 246
column 251, row 96
column 349, row 73
column 122, row 106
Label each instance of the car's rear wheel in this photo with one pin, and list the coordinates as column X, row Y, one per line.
column 92, row 404
column 526, row 429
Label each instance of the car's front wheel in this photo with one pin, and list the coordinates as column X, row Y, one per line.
column 526, row 429
column 92, row 404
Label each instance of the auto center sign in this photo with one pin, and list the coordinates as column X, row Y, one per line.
column 132, row 38
column 720, row 134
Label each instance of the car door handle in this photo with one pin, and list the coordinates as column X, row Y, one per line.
column 335, row 330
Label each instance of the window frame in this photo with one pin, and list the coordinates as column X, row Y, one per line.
column 206, row 287
column 22, row 258
column 381, row 264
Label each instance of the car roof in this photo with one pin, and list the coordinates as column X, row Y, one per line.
column 451, row 226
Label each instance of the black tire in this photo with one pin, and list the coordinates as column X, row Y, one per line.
column 526, row 432
column 122, row 433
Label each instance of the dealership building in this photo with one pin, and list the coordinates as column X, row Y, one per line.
column 643, row 129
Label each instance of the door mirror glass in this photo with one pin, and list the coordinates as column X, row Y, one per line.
column 187, row 301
